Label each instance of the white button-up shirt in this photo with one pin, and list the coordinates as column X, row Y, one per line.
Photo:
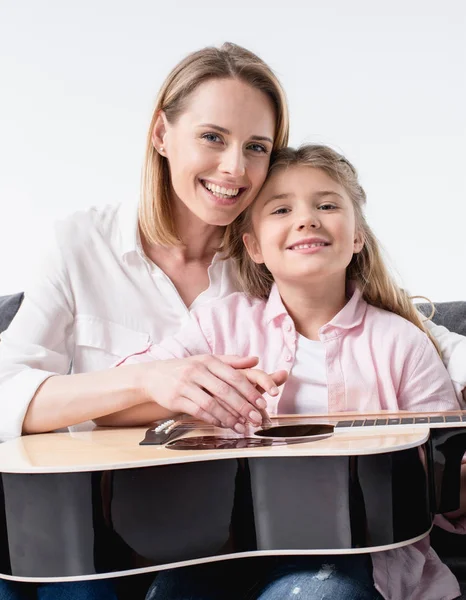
column 96, row 299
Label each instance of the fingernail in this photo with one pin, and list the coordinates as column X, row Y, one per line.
column 274, row 390
column 239, row 428
column 255, row 416
column 261, row 403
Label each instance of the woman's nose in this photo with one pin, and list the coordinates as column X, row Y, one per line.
column 233, row 162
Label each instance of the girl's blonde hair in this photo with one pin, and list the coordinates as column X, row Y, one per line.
column 366, row 268
column 229, row 61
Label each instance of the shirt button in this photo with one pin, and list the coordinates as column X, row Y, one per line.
column 289, row 327
column 288, row 358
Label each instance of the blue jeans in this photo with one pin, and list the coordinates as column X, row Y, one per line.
column 100, row 589
column 274, row 578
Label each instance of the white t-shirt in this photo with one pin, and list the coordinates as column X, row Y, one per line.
column 306, row 389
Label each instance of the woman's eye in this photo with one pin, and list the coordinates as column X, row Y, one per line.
column 259, row 148
column 327, row 207
column 211, row 137
column 281, row 211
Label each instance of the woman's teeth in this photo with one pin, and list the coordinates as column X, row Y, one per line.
column 220, row 192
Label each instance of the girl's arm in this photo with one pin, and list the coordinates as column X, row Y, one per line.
column 426, row 386
column 453, row 348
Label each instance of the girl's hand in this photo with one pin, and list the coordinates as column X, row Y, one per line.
column 220, row 390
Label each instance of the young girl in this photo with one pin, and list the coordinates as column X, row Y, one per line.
column 322, row 307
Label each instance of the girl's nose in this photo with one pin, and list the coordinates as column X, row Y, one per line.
column 308, row 221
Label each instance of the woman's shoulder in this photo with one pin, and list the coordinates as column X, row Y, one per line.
column 83, row 223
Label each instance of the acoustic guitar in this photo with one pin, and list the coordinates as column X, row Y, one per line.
column 108, row 501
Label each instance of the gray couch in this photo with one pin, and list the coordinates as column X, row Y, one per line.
column 451, row 547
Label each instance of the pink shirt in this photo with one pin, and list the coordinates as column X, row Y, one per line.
column 375, row 360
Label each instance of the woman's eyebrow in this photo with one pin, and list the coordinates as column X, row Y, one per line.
column 261, row 138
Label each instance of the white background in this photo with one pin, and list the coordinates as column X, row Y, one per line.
column 383, row 82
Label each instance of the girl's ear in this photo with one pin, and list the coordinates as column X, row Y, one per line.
column 253, row 248
column 159, row 131
column 358, row 244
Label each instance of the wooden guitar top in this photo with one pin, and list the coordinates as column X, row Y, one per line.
column 119, row 448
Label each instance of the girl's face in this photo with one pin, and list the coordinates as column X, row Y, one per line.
column 218, row 150
column 303, row 227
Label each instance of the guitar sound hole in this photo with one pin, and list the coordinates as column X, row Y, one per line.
column 295, row 431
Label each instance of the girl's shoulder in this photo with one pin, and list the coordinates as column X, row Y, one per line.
column 393, row 325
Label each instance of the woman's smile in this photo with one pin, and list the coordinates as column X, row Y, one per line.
column 223, row 194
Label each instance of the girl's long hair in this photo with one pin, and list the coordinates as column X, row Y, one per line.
column 230, row 61
column 366, row 268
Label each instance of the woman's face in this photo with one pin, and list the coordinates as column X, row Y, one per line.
column 218, row 150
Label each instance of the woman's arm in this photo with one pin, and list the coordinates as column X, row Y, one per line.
column 65, row 400
column 221, row 390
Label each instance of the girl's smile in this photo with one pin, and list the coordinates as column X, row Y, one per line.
column 309, row 245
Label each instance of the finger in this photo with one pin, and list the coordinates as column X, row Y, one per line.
column 279, row 377
column 231, row 410
column 263, row 381
column 188, row 407
column 232, row 386
column 239, row 384
column 239, row 362
column 208, row 404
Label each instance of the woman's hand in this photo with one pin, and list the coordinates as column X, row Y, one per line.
column 221, row 390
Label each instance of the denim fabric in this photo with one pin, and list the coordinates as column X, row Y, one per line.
column 74, row 590
column 281, row 578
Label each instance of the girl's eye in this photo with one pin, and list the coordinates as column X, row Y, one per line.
column 327, row 206
column 211, row 137
column 281, row 211
column 259, row 148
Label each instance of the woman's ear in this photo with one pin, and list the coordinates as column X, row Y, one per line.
column 253, row 248
column 159, row 131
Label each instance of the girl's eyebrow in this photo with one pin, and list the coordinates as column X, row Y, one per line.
column 283, row 196
column 257, row 138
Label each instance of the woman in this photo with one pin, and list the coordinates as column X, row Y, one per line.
column 115, row 275
column 115, row 272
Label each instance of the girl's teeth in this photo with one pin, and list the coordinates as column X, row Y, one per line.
column 306, row 246
column 221, row 191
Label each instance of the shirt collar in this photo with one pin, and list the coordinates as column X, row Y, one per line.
column 351, row 315
column 274, row 307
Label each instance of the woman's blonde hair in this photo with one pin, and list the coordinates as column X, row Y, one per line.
column 229, row 61
column 366, row 268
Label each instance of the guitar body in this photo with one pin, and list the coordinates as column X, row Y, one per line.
column 96, row 504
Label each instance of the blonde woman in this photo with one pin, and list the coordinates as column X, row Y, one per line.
column 321, row 307
column 120, row 278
